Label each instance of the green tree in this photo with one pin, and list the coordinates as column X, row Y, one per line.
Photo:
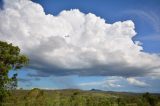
column 10, row 59
column 152, row 100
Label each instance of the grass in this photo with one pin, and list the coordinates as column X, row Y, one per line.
column 75, row 97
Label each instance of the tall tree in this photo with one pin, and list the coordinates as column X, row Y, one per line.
column 10, row 59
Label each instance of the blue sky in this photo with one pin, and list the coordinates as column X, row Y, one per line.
column 145, row 14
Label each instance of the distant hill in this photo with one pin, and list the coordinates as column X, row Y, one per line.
column 97, row 90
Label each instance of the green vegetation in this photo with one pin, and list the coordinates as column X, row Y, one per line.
column 71, row 97
column 10, row 59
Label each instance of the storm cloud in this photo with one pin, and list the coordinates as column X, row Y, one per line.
column 74, row 43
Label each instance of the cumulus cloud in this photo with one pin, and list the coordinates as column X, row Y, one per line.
column 74, row 43
column 118, row 83
column 106, row 83
column 136, row 82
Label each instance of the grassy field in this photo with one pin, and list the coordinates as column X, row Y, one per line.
column 73, row 97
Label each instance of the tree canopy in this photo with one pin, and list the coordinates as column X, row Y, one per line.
column 10, row 59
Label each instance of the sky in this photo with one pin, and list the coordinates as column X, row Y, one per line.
column 111, row 45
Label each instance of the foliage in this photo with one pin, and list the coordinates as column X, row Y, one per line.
column 152, row 100
column 37, row 97
column 10, row 59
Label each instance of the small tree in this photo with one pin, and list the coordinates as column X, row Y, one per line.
column 10, row 59
column 152, row 100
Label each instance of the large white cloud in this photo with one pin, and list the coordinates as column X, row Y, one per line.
column 74, row 43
